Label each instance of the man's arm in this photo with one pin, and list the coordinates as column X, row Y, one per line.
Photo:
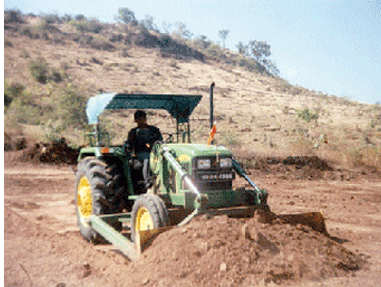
column 154, row 136
column 130, row 142
column 157, row 135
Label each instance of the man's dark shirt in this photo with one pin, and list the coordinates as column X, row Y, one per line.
column 139, row 138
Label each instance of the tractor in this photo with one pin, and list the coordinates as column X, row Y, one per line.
column 112, row 202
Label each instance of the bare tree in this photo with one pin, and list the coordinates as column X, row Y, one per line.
column 148, row 23
column 182, row 31
column 223, row 35
column 125, row 15
column 242, row 49
column 259, row 50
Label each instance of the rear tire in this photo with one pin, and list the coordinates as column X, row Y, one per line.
column 97, row 192
column 148, row 212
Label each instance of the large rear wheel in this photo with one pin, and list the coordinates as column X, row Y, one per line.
column 97, row 191
column 148, row 213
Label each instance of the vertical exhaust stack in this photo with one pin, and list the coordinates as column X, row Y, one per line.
column 211, row 108
column 211, row 105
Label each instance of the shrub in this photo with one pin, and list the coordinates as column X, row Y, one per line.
column 56, row 76
column 51, row 18
column 52, row 132
column 66, row 18
column 27, row 32
column 93, row 25
column 202, row 42
column 13, row 16
column 248, row 63
column 39, row 70
column 80, row 25
column 355, row 156
column 100, row 43
column 71, row 107
column 307, row 115
column 8, row 43
column 23, row 110
column 214, row 50
column 12, row 91
column 24, row 54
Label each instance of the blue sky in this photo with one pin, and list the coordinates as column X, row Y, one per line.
column 332, row 46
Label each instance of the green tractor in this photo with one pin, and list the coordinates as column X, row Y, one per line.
column 187, row 179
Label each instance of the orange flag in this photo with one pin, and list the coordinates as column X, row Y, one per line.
column 212, row 133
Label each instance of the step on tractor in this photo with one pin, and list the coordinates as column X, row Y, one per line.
column 113, row 203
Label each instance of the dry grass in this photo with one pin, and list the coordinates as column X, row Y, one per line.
column 255, row 113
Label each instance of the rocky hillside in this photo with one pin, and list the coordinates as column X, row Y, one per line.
column 51, row 69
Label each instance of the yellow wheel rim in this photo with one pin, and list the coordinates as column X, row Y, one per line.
column 84, row 202
column 143, row 223
column 143, row 220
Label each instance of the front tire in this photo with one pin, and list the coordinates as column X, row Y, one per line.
column 95, row 194
column 148, row 212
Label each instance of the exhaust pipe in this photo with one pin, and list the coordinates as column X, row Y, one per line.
column 211, row 105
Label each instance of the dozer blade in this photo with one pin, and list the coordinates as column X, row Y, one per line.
column 315, row 220
column 146, row 237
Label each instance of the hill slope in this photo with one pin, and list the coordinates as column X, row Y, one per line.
column 255, row 113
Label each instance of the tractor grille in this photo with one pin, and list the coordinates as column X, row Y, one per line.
column 214, row 177
column 217, row 185
column 217, row 180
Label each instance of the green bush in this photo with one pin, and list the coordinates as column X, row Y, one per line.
column 39, row 70
column 308, row 115
column 23, row 110
column 84, row 25
column 12, row 91
column 71, row 107
column 214, row 50
column 52, row 131
column 26, row 31
column 248, row 63
column 80, row 25
column 56, row 76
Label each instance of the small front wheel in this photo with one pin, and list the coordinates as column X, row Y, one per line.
column 148, row 213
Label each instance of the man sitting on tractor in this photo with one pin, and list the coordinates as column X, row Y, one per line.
column 141, row 140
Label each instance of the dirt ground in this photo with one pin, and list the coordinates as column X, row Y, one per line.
column 43, row 247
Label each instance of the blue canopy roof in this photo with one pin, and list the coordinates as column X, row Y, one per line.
column 179, row 106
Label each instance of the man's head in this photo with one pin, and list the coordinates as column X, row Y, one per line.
column 140, row 118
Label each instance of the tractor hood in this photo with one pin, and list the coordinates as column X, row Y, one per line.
column 197, row 150
column 179, row 106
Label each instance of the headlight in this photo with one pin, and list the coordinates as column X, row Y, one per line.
column 226, row 162
column 203, row 163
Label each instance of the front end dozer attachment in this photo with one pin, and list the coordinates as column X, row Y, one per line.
column 314, row 220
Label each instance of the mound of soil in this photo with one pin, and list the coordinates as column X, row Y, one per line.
column 311, row 161
column 14, row 143
column 54, row 152
column 297, row 167
column 224, row 251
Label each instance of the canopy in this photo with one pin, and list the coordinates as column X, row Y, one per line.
column 179, row 106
